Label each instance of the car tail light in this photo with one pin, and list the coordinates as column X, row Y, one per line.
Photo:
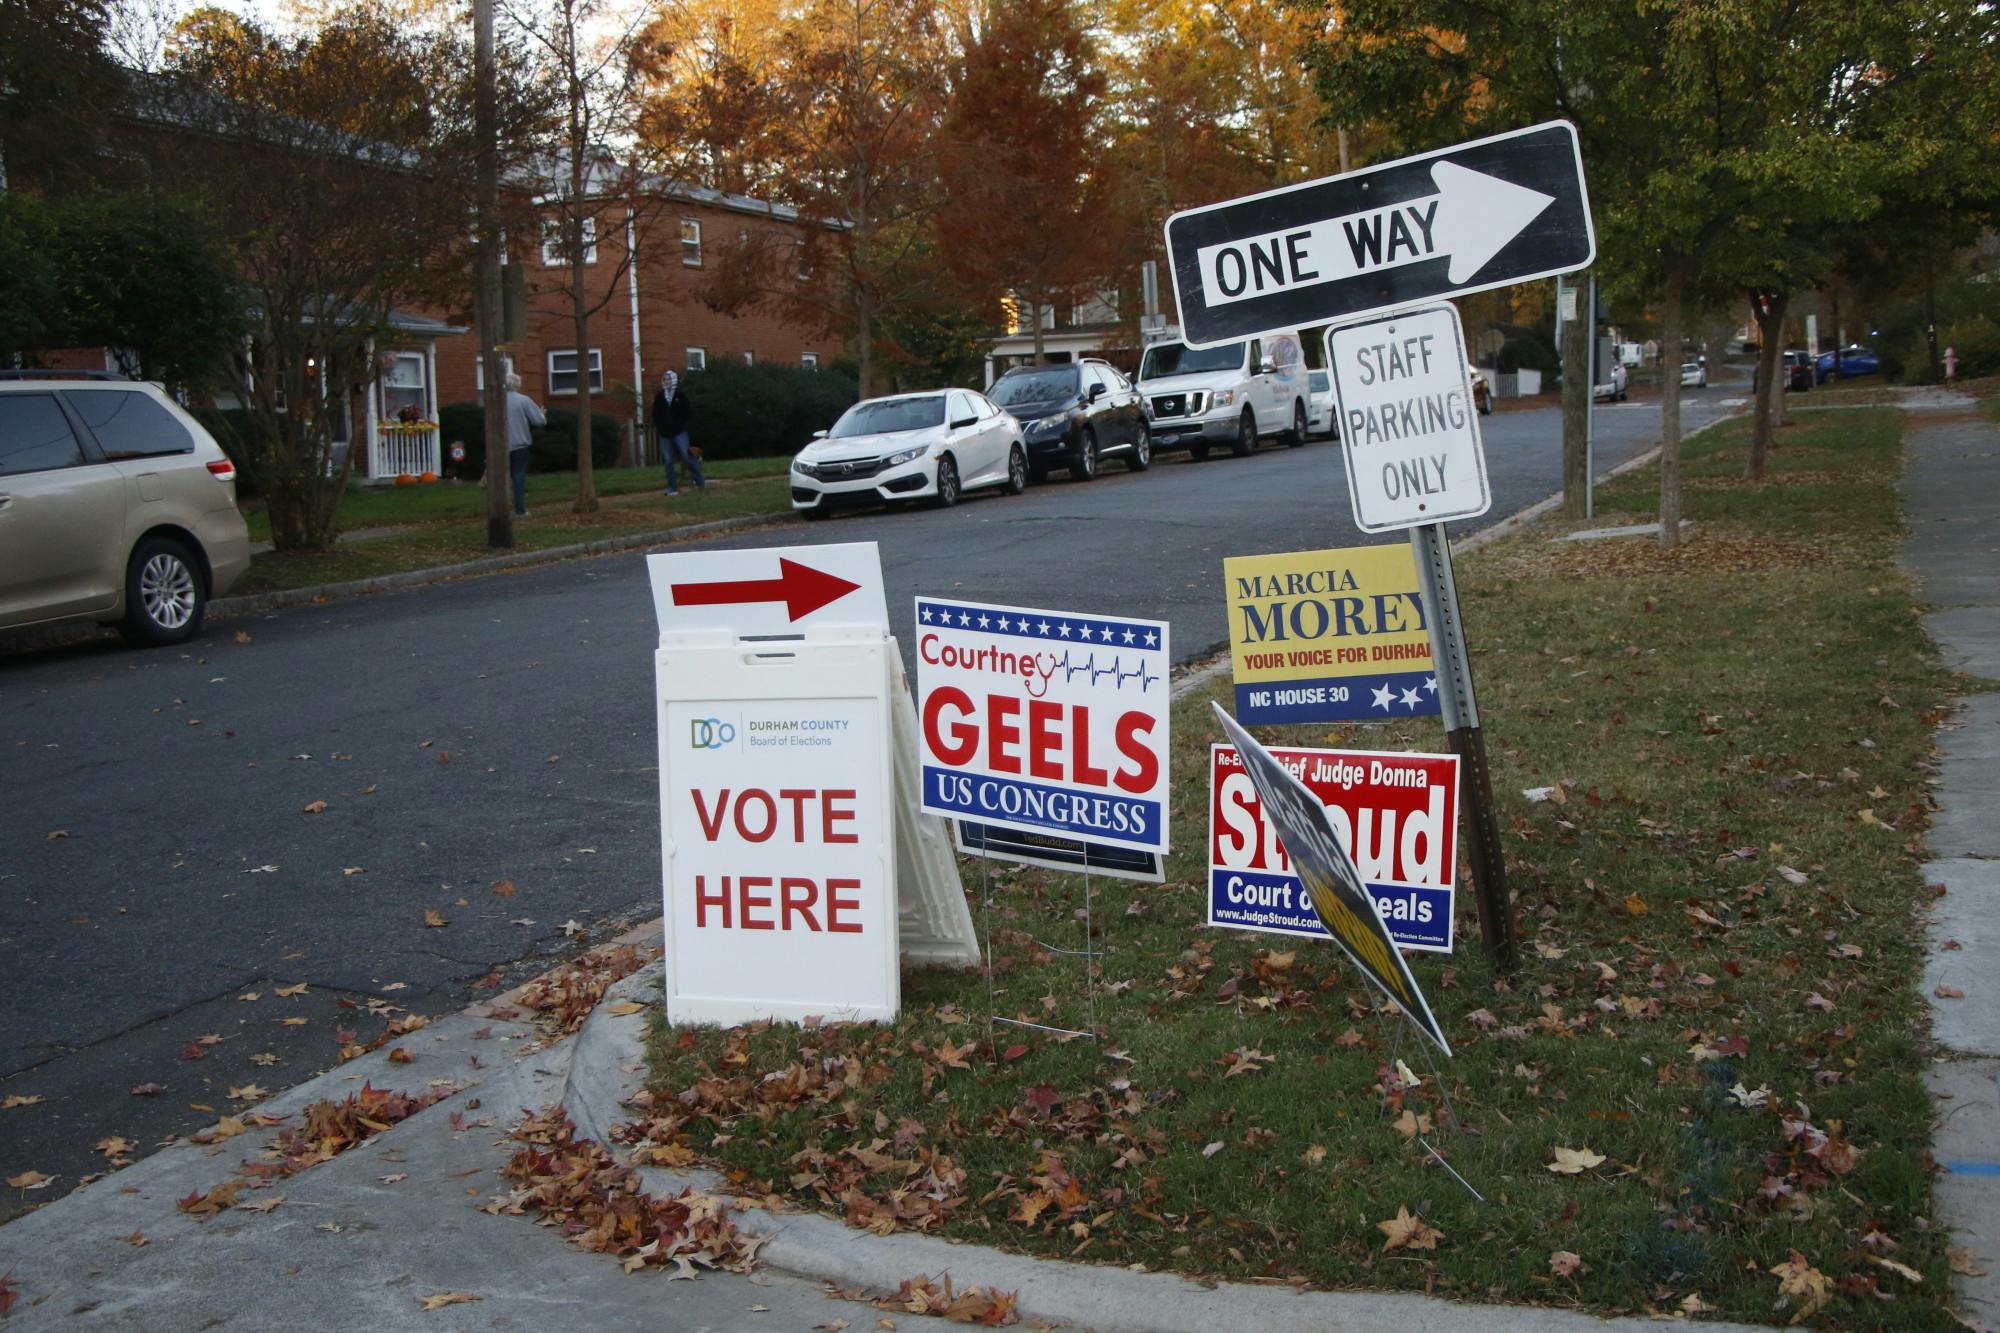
column 222, row 469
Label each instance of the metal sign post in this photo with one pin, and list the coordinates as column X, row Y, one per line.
column 1478, row 825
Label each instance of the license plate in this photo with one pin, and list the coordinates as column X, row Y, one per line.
column 1170, row 437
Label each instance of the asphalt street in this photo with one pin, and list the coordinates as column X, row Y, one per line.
column 484, row 750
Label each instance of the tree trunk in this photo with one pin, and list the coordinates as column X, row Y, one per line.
column 1576, row 386
column 1670, row 407
column 499, row 512
column 864, row 338
column 1770, row 313
column 586, row 476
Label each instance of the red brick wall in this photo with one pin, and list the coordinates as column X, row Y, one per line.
column 672, row 316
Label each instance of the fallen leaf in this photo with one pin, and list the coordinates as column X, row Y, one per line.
column 298, row 1022
column 1548, row 950
column 1792, row 876
column 135, row 1240
column 148, row 1089
column 114, row 1146
column 433, row 918
column 263, row 1205
column 1949, row 993
column 1410, row 1124
column 1798, row 1279
column 1408, row 1233
column 207, row 1205
column 444, row 1298
column 354, row 870
column 312, row 807
column 1635, row 905
column 289, row 991
column 1962, row 1261
column 1314, row 1155
column 243, row 636
column 265, row 1058
column 394, row 1177
column 15, row 1101
column 1693, row 1304
column 29, row 1180
column 1900, row 1270
column 571, row 928
column 1565, row 1263
column 624, row 1007
column 1572, row 1161
column 1212, row 1149
column 503, row 888
column 249, row 1092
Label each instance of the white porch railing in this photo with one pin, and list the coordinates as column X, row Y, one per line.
column 403, row 448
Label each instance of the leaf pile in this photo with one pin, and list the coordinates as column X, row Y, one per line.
column 568, row 993
column 577, row 1188
column 920, row 1295
column 330, row 1128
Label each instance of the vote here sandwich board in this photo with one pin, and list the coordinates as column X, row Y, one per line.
column 1044, row 721
column 1332, row 883
column 1395, row 815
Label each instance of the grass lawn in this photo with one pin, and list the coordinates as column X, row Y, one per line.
column 447, row 540
column 1722, row 922
column 391, row 506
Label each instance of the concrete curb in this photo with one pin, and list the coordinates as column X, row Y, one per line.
column 262, row 603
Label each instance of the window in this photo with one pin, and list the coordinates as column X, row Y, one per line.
column 553, row 255
column 690, row 242
column 35, row 435
column 962, row 408
column 479, row 370
column 808, row 361
column 697, row 358
column 130, row 425
column 403, row 387
column 804, row 269
column 562, row 371
column 749, row 358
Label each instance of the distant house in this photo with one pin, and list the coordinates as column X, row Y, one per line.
column 664, row 314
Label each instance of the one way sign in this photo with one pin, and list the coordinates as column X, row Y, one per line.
column 1479, row 215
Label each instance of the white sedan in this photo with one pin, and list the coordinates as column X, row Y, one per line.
column 1694, row 375
column 1320, row 417
column 916, row 446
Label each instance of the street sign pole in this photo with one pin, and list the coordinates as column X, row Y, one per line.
column 1478, row 824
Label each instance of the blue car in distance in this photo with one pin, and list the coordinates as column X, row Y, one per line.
column 1853, row 361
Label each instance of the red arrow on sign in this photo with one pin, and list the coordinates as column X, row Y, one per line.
column 801, row 588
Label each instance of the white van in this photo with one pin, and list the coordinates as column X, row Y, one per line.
column 1233, row 394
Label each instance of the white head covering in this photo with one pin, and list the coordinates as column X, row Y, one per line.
column 671, row 380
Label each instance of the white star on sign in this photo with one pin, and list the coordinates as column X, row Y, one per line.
column 1382, row 697
column 1086, row 631
column 1044, row 628
column 964, row 617
column 1062, row 628
column 1431, row 685
column 1152, row 639
column 927, row 613
column 1410, row 698
column 984, row 621
column 1003, row 622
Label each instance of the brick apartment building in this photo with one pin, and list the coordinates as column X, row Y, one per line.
column 658, row 317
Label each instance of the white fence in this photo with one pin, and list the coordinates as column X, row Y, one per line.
column 403, row 448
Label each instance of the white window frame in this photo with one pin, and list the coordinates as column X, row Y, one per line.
column 697, row 358
column 803, row 271
column 808, row 360
column 426, row 410
column 749, row 358
column 691, row 242
column 596, row 371
column 479, row 370
column 552, row 246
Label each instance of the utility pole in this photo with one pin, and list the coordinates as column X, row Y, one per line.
column 1574, row 348
column 499, row 478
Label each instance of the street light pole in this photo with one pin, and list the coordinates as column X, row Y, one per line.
column 499, row 512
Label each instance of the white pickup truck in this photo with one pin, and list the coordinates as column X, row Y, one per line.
column 1233, row 394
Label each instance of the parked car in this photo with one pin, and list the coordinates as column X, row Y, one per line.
column 1854, row 361
column 1233, row 394
column 915, row 446
column 1322, row 416
column 1616, row 383
column 1694, row 375
column 1074, row 416
column 115, row 506
column 1798, row 373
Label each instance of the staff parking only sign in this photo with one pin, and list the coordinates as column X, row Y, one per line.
column 1044, row 721
column 1394, row 814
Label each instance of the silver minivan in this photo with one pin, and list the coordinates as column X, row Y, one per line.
column 115, row 506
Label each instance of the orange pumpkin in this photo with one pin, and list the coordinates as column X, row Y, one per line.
column 406, row 480
column 428, row 478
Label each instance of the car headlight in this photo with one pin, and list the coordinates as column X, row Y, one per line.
column 905, row 456
column 803, row 468
column 1221, row 398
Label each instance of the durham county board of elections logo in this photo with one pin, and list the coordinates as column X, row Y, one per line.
column 709, row 733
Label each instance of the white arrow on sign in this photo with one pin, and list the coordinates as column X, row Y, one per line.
column 1470, row 219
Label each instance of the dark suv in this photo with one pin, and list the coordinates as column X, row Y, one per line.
column 1075, row 415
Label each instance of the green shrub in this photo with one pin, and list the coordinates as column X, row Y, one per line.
column 233, row 429
column 759, row 410
column 554, row 447
column 463, row 423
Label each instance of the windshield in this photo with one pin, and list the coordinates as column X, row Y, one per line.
column 886, row 416
column 1164, row 359
column 1039, row 387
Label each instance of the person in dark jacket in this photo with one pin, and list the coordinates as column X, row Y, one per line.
column 671, row 414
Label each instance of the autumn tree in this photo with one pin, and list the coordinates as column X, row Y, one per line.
column 1017, row 153
column 335, row 164
column 57, row 89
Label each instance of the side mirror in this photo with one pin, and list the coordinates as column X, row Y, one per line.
column 1267, row 368
column 1096, row 392
column 819, row 435
column 963, row 422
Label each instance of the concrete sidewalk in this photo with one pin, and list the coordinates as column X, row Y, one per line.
column 1951, row 496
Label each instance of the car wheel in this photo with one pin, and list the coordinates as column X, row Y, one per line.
column 1298, row 436
column 947, row 482
column 164, row 596
column 1246, row 435
column 1017, row 470
column 1141, row 456
column 1083, row 463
